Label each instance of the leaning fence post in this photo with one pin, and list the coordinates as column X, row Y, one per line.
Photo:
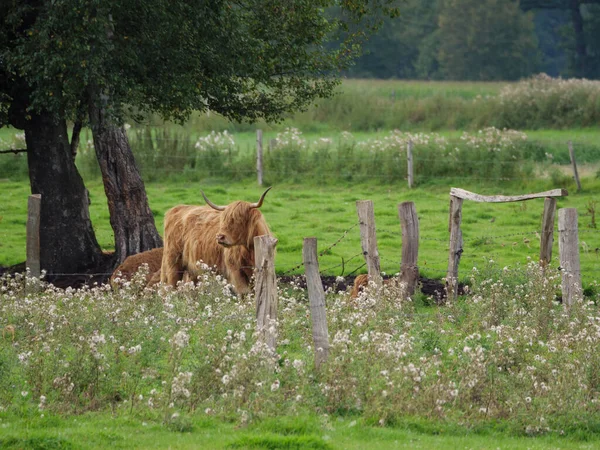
column 409, row 159
column 409, row 222
column 259, row 156
column 34, row 208
column 574, row 164
column 368, row 239
column 547, row 237
column 266, row 289
column 456, row 244
column 316, row 297
column 568, row 249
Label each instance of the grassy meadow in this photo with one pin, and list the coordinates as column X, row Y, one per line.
column 506, row 233
column 506, row 366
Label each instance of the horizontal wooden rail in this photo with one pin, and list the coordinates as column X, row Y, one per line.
column 461, row 193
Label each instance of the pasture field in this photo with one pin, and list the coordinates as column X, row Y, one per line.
column 506, row 233
column 504, row 367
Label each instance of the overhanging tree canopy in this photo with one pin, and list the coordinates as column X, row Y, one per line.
column 246, row 59
column 68, row 59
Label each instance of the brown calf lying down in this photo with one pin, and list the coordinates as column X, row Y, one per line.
column 362, row 281
column 128, row 268
column 222, row 237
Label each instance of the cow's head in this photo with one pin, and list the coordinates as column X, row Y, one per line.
column 240, row 222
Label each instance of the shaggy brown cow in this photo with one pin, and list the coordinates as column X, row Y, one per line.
column 219, row 236
column 153, row 258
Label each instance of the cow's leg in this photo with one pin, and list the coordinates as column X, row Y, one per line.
column 171, row 270
column 153, row 279
column 240, row 283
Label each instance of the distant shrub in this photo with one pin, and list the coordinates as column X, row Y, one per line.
column 545, row 102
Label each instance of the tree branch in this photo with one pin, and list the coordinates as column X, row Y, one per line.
column 15, row 151
column 526, row 5
column 75, row 137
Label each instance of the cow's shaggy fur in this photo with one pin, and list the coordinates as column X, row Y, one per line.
column 360, row 282
column 221, row 237
column 133, row 263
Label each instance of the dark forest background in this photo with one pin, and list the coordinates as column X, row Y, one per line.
column 485, row 40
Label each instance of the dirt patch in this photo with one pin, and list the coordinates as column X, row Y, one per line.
column 90, row 277
column 100, row 275
column 429, row 287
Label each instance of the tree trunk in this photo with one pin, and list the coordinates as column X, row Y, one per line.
column 130, row 216
column 580, row 47
column 67, row 241
column 75, row 135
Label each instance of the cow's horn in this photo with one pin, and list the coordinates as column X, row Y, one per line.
column 260, row 202
column 211, row 204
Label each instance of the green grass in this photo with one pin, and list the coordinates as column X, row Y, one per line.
column 100, row 431
column 491, row 231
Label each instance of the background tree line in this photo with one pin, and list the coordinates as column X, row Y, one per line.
column 486, row 40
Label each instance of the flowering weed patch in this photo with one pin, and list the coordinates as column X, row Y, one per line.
column 489, row 154
column 506, row 352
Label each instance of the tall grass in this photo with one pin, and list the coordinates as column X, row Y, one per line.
column 489, row 154
column 371, row 105
column 165, row 153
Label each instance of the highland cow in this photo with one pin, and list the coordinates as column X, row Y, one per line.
column 222, row 237
column 133, row 263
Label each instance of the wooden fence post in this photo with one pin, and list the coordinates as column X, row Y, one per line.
column 568, row 249
column 409, row 158
column 316, row 297
column 409, row 222
column 574, row 164
column 547, row 238
column 266, row 289
column 368, row 240
column 34, row 208
column 259, row 156
column 456, row 246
